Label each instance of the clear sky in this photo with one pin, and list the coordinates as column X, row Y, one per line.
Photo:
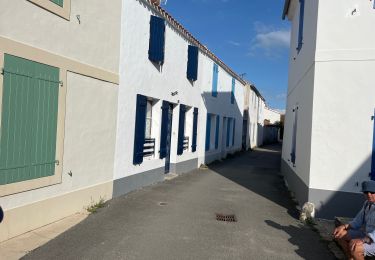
column 248, row 35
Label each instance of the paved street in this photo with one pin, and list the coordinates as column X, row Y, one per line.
column 176, row 219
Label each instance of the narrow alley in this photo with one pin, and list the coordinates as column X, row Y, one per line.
column 176, row 219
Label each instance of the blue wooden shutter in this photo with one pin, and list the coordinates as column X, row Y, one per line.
column 140, row 125
column 164, row 129
column 208, row 132
column 217, row 132
column 372, row 173
column 233, row 89
column 192, row 65
column 157, row 40
column 300, row 29
column 294, row 137
column 215, row 74
column 234, row 130
column 228, row 131
column 195, row 127
column 28, row 120
column 181, row 130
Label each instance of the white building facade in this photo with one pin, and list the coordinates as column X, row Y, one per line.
column 330, row 99
column 204, row 121
column 58, row 112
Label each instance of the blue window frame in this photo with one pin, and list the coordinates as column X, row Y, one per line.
column 215, row 75
column 233, row 89
column 300, row 29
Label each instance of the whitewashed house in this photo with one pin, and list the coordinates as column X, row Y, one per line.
column 187, row 105
column 329, row 127
column 58, row 108
column 271, row 115
column 253, row 116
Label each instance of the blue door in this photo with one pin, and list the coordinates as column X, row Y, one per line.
column 169, row 135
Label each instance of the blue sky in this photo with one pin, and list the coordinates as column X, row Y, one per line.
column 248, row 35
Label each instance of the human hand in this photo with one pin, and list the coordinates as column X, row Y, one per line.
column 355, row 243
column 340, row 232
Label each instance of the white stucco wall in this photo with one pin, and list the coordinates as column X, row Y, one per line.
column 271, row 115
column 301, row 89
column 94, row 41
column 140, row 76
column 253, row 115
column 344, row 95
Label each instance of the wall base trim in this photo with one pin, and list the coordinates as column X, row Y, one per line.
column 328, row 203
column 185, row 166
column 133, row 182
column 34, row 215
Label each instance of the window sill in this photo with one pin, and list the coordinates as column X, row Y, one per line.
column 17, row 187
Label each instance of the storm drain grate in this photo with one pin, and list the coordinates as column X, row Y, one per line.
column 226, row 218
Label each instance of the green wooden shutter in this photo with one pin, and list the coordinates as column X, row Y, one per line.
column 28, row 120
column 58, row 2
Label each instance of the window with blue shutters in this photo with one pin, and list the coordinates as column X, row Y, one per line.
column 301, row 20
column 217, row 132
column 228, row 131
column 234, row 131
column 157, row 40
column 294, row 137
column 29, row 120
column 233, row 89
column 215, row 75
column 139, row 130
column 195, row 127
column 208, row 132
column 164, row 129
column 181, row 130
column 192, row 65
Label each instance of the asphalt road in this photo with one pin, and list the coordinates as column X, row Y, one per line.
column 176, row 219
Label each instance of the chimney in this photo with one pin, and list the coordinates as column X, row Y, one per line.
column 155, row 2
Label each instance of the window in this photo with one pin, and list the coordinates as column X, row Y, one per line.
column 29, row 120
column 300, row 29
column 192, row 65
column 58, row 7
column 215, row 74
column 294, row 137
column 217, row 132
column 185, row 128
column 157, row 40
column 232, row 92
column 148, row 119
column 144, row 144
column 195, row 127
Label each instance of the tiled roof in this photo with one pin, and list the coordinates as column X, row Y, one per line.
column 163, row 13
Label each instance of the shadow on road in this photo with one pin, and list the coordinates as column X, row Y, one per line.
column 258, row 171
column 298, row 238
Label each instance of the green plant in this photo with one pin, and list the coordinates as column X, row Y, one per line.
column 94, row 206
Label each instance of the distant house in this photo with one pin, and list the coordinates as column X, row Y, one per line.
column 328, row 141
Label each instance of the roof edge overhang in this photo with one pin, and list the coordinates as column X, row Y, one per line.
column 286, row 8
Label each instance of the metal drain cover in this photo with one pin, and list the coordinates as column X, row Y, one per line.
column 226, row 218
